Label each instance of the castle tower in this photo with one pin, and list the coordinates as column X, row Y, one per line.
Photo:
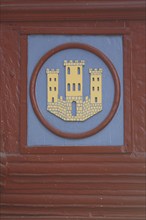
column 52, row 85
column 74, row 77
column 96, row 85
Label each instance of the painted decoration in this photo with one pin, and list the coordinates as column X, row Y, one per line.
column 53, row 55
column 74, row 107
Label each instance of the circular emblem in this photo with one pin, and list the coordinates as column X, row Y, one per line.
column 115, row 78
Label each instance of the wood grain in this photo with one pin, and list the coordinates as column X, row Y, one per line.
column 18, row 11
column 72, row 183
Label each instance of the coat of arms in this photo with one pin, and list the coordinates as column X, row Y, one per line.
column 74, row 107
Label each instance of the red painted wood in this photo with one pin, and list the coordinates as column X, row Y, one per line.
column 77, row 182
column 72, row 10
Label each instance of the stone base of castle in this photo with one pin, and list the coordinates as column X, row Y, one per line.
column 84, row 109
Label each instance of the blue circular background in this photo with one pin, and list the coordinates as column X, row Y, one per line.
column 91, row 61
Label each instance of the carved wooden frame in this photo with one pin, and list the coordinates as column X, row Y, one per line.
column 85, row 149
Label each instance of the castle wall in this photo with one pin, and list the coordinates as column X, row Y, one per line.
column 63, row 108
column 79, row 108
column 90, row 109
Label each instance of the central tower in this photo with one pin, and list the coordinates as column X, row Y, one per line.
column 74, row 78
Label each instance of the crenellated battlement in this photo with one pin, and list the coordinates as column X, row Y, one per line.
column 52, row 71
column 95, row 71
column 74, row 63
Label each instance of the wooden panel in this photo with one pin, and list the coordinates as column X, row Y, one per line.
column 10, row 74
column 121, row 30
column 63, row 183
column 72, row 10
column 138, row 90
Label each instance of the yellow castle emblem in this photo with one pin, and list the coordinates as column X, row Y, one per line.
column 74, row 107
